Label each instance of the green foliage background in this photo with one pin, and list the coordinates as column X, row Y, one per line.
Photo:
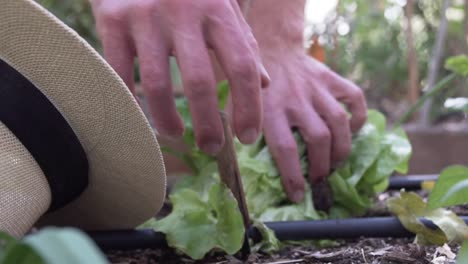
column 77, row 14
column 374, row 52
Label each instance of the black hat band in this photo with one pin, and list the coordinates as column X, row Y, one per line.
column 45, row 133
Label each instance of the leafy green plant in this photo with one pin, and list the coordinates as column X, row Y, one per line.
column 194, row 221
column 410, row 208
column 50, row 246
column 376, row 154
column 458, row 64
column 450, row 189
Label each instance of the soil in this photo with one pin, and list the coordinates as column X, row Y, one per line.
column 364, row 250
column 356, row 251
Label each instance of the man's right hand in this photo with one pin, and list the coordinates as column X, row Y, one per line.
column 153, row 30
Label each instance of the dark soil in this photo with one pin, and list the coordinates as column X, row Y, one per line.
column 364, row 250
column 357, row 251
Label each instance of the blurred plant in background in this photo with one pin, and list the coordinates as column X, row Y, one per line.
column 370, row 42
column 77, row 14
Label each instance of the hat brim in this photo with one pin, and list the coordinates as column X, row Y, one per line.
column 127, row 180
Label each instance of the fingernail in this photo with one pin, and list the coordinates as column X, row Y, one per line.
column 297, row 196
column 249, row 135
column 211, row 148
column 265, row 76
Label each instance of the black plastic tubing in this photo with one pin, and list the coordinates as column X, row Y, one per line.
column 293, row 230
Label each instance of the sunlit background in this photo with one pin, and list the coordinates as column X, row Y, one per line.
column 368, row 42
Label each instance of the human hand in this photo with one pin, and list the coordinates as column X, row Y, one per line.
column 306, row 95
column 153, row 30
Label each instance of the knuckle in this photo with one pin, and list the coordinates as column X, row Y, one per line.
column 111, row 16
column 155, row 86
column 322, row 136
column 323, row 74
column 339, row 115
column 197, row 86
column 285, row 147
column 356, row 94
column 243, row 66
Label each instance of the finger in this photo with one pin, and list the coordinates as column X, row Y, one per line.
column 241, row 9
column 317, row 137
column 239, row 63
column 153, row 54
column 353, row 97
column 337, row 121
column 199, row 86
column 119, row 52
column 283, row 148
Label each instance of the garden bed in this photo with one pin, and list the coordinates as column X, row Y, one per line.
column 366, row 250
column 359, row 250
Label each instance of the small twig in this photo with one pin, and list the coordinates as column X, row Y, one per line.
column 332, row 256
column 230, row 175
column 399, row 257
column 287, row 261
column 364, row 256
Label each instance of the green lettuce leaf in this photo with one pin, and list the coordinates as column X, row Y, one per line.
column 196, row 226
column 304, row 210
column 269, row 243
column 262, row 184
column 17, row 252
column 451, row 188
column 376, row 153
column 410, row 207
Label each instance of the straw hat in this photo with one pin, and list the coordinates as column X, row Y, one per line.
column 75, row 147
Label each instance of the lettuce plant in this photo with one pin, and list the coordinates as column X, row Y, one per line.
column 376, row 153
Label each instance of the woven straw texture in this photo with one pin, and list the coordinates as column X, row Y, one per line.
column 127, row 176
column 24, row 194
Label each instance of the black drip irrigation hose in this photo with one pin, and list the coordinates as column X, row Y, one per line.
column 412, row 182
column 292, row 231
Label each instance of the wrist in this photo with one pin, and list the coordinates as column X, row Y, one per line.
column 278, row 25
